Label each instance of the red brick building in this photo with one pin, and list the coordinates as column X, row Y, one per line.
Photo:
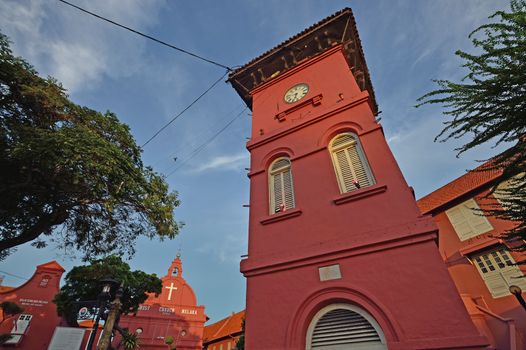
column 224, row 334
column 338, row 252
column 480, row 263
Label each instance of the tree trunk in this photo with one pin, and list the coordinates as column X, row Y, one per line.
column 105, row 338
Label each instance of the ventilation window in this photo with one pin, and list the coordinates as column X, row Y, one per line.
column 280, row 186
column 352, row 170
column 342, row 326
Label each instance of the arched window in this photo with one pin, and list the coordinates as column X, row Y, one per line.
column 280, row 186
column 352, row 170
column 344, row 326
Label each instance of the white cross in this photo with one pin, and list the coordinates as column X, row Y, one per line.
column 171, row 288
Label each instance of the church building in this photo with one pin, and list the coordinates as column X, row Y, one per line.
column 339, row 256
column 171, row 317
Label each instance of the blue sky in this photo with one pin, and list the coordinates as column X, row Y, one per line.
column 406, row 44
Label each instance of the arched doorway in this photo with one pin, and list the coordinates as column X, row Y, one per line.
column 344, row 326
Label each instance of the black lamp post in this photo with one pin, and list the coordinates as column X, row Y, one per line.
column 517, row 291
column 103, row 298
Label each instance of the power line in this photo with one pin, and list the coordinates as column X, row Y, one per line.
column 207, row 142
column 147, row 36
column 184, row 110
column 198, row 135
column 13, row 275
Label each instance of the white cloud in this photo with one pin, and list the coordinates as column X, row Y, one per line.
column 229, row 162
column 77, row 49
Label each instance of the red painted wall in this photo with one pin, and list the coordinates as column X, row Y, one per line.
column 174, row 314
column 467, row 278
column 387, row 252
column 36, row 296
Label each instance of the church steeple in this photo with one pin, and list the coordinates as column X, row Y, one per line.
column 176, row 268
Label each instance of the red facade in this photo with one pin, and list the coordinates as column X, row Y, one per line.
column 173, row 314
column 496, row 312
column 34, row 328
column 367, row 252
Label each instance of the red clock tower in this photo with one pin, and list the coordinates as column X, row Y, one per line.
column 339, row 256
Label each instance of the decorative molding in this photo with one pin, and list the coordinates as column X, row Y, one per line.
column 287, row 214
column 361, row 98
column 315, row 101
column 359, row 194
column 478, row 246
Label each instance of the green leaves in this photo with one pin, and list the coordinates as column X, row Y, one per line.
column 72, row 173
column 82, row 283
column 489, row 104
column 9, row 309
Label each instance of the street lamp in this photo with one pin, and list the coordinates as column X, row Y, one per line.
column 113, row 316
column 104, row 296
column 517, row 291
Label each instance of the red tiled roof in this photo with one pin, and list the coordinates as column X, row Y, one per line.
column 345, row 14
column 226, row 327
column 458, row 187
column 4, row 289
column 52, row 265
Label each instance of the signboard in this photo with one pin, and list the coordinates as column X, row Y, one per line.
column 87, row 313
column 66, row 338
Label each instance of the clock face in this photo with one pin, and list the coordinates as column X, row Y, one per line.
column 296, row 93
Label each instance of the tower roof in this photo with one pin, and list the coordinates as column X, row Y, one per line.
column 339, row 28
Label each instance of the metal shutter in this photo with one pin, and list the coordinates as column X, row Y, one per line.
column 342, row 328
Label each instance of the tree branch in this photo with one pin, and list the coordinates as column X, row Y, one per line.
column 57, row 217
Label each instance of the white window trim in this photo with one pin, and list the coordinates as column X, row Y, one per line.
column 272, row 174
column 501, row 278
column 361, row 155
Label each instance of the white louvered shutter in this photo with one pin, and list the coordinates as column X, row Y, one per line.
column 507, row 189
column 345, row 329
column 281, row 187
column 499, row 272
column 288, row 191
column 19, row 329
column 467, row 220
column 350, row 164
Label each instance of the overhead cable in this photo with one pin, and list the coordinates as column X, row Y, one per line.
column 200, row 135
column 147, row 36
column 184, row 110
column 13, row 275
column 207, row 142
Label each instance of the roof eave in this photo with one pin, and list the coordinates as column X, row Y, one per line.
column 339, row 28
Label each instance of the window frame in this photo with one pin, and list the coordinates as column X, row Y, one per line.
column 364, row 164
column 280, row 171
column 382, row 345
column 468, row 211
column 497, row 265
